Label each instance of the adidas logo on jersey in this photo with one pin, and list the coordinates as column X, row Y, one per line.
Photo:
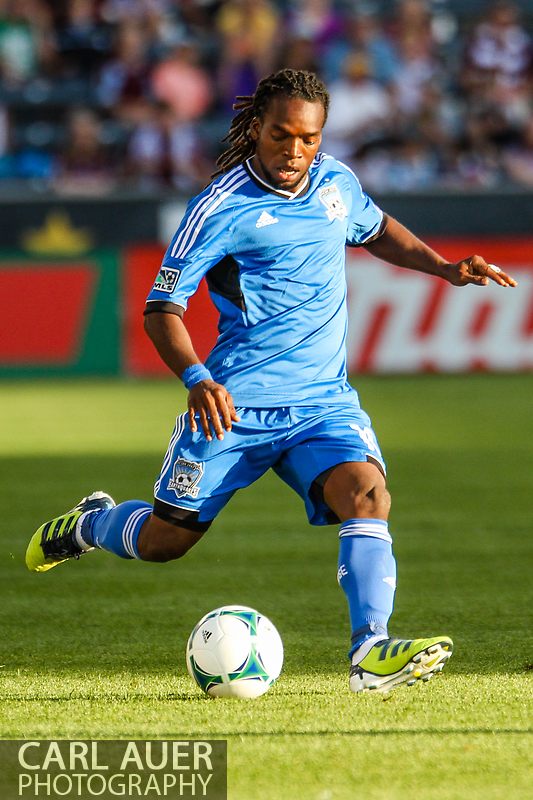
column 266, row 219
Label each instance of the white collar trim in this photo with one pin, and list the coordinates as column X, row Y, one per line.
column 290, row 195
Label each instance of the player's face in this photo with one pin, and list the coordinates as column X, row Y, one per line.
column 287, row 139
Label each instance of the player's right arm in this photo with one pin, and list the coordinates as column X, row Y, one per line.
column 203, row 239
column 207, row 399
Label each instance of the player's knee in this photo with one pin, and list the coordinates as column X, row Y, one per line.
column 357, row 490
column 369, row 499
column 162, row 541
column 380, row 499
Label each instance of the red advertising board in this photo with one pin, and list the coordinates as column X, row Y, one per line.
column 405, row 321
column 33, row 301
column 59, row 315
column 399, row 320
column 141, row 264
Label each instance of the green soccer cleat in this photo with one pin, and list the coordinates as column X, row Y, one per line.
column 56, row 540
column 393, row 662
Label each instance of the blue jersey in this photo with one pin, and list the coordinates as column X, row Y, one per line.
column 275, row 266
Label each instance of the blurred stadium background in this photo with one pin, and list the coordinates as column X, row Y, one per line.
column 111, row 117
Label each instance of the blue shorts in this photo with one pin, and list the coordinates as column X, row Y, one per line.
column 298, row 443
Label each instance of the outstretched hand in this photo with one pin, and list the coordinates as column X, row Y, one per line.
column 476, row 270
column 214, row 406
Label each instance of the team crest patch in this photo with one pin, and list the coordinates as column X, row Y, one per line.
column 331, row 197
column 167, row 279
column 185, row 477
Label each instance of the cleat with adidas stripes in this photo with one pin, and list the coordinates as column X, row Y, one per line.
column 392, row 662
column 56, row 540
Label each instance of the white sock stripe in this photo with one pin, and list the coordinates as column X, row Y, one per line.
column 85, row 546
column 377, row 529
column 141, row 516
column 386, row 537
column 365, row 526
column 129, row 529
column 363, row 531
column 219, row 191
column 125, row 533
column 364, row 523
column 178, row 430
column 132, row 524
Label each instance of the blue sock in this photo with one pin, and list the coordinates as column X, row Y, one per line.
column 117, row 529
column 367, row 575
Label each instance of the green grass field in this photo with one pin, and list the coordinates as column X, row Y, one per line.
column 95, row 649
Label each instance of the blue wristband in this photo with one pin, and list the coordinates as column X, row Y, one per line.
column 194, row 374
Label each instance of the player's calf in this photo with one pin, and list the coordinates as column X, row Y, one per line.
column 163, row 541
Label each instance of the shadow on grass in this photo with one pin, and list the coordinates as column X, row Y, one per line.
column 119, row 615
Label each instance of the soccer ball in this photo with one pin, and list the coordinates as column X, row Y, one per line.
column 234, row 651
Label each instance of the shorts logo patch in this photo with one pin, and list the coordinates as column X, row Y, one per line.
column 331, row 197
column 367, row 435
column 185, row 477
column 167, row 279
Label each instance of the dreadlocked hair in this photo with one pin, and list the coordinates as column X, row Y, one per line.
column 286, row 82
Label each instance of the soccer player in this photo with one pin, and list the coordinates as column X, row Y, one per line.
column 269, row 234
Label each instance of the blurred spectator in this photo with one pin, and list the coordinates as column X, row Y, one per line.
column 477, row 157
column 299, row 53
column 316, row 21
column 416, row 71
column 196, row 19
column 360, row 110
column 156, row 17
column 398, row 165
column 82, row 41
column 18, row 160
column 167, row 152
column 413, row 103
column 26, row 41
column 149, row 13
column 144, row 11
column 125, row 81
column 499, row 62
column 412, row 20
column 85, row 165
column 518, row 158
column 362, row 32
column 413, row 165
column 181, row 82
column 437, row 124
column 248, row 31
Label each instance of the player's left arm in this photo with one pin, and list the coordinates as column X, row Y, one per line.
column 397, row 245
